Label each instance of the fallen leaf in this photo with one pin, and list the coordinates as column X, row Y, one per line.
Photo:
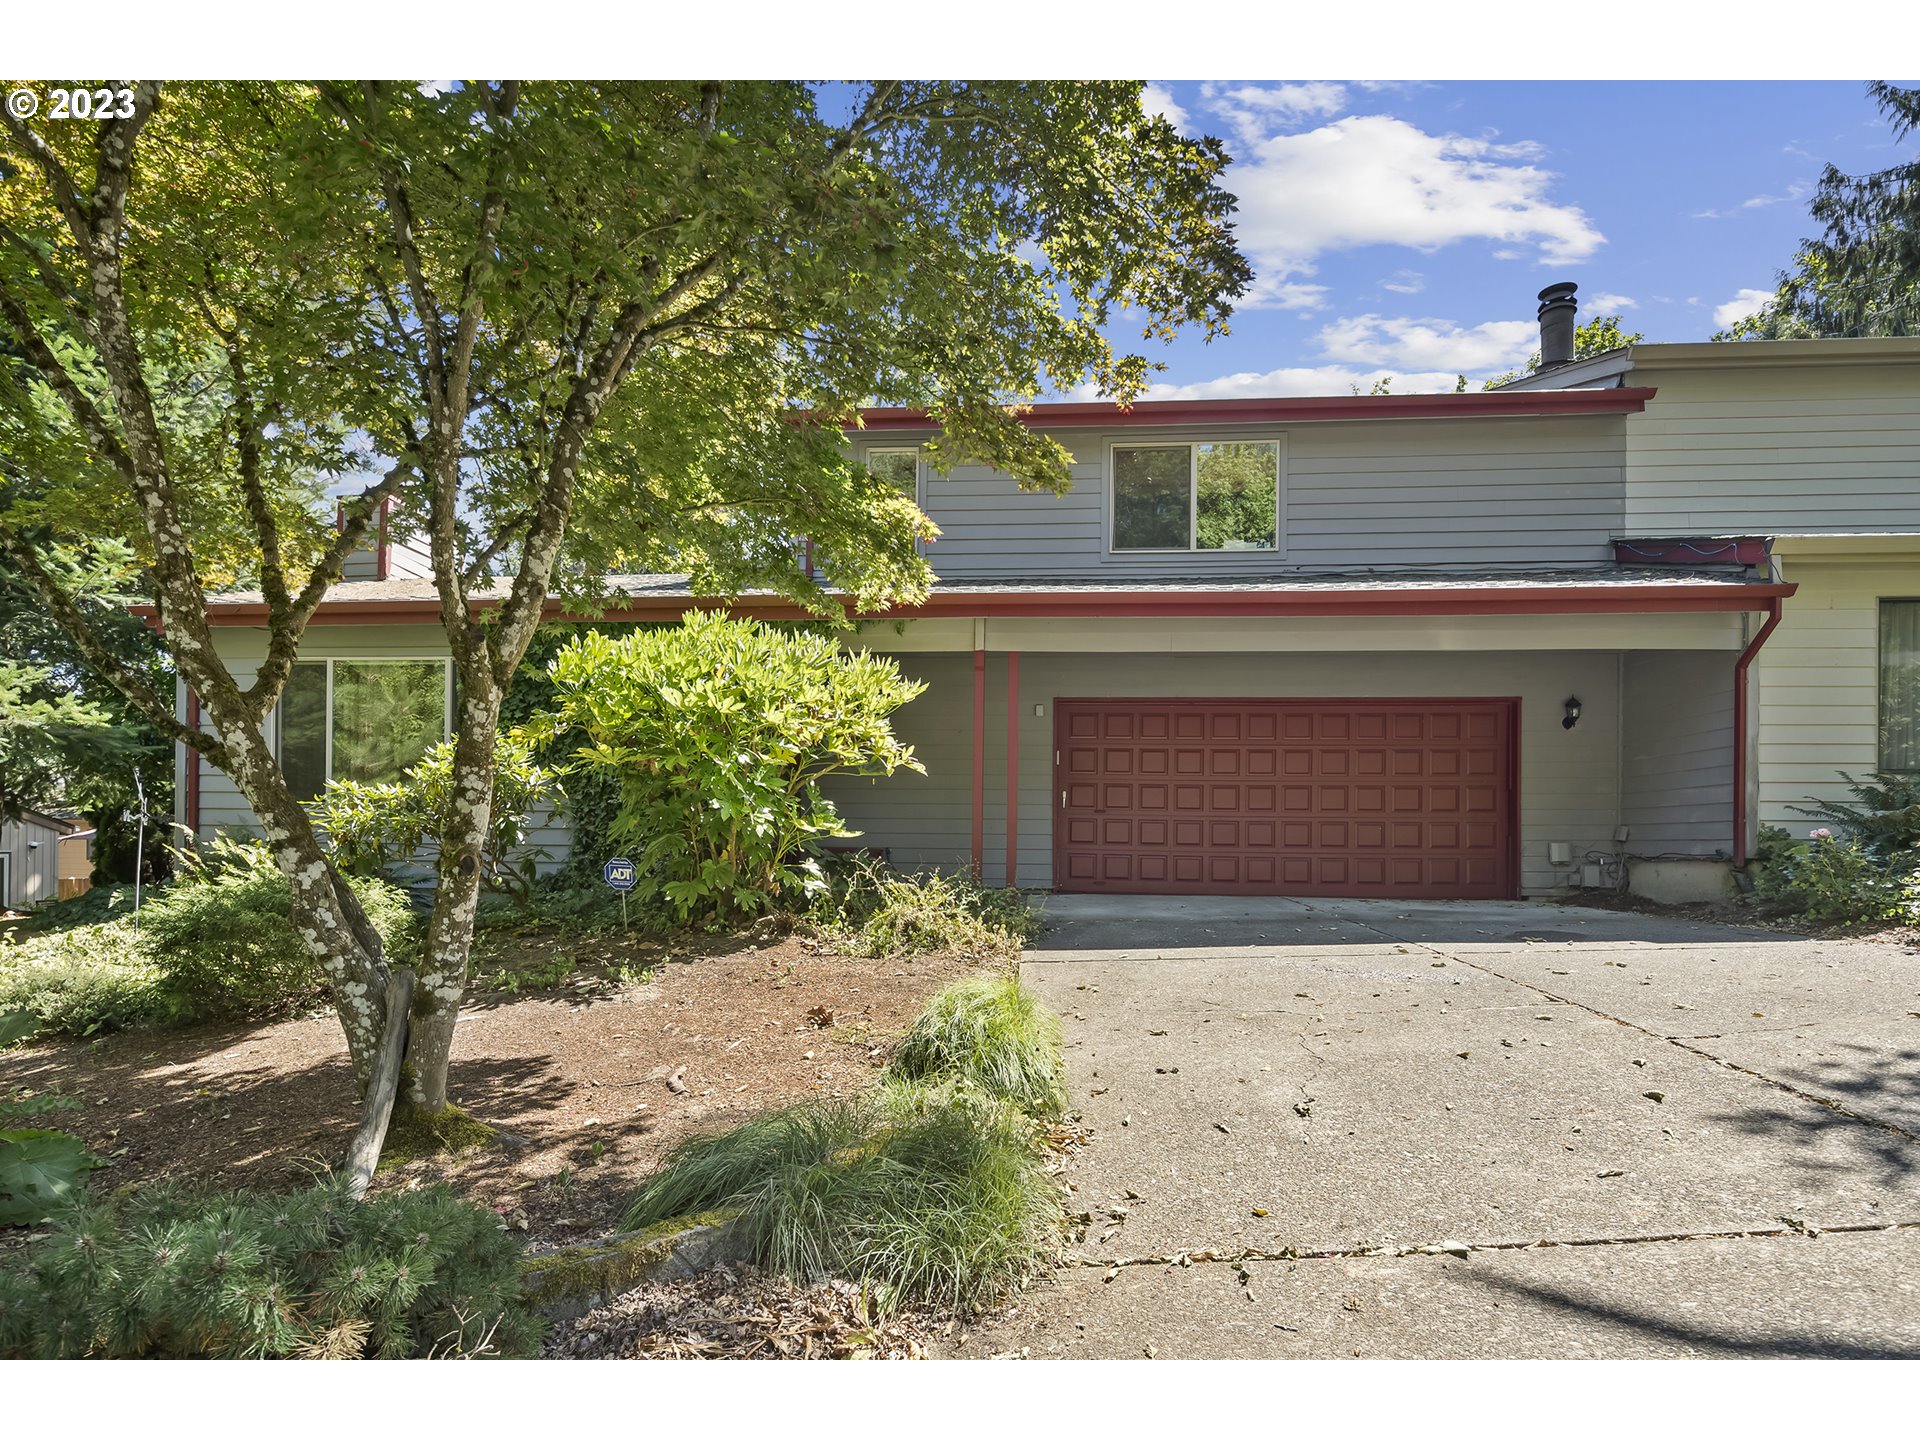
column 1658, row 1097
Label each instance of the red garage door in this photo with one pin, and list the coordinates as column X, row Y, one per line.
column 1387, row 798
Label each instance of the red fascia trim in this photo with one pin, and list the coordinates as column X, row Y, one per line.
column 1447, row 600
column 979, row 836
column 1100, row 414
column 1013, row 768
column 1740, row 667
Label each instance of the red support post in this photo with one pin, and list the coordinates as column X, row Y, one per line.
column 193, row 770
column 1013, row 768
column 979, row 760
column 1740, row 732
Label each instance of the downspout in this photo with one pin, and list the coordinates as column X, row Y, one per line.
column 1740, row 732
column 979, row 835
column 193, row 770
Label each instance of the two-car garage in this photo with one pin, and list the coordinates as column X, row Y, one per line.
column 1386, row 798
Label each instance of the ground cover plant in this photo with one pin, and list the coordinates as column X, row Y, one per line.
column 217, row 942
column 184, row 1271
column 932, row 1189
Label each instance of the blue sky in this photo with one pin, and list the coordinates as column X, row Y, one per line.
column 1404, row 229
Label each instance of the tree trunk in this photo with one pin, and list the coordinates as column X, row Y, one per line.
column 443, row 968
column 325, row 913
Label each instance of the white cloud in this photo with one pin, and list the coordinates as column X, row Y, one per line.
column 1745, row 302
column 1796, row 191
column 1253, row 110
column 1376, row 180
column 1607, row 303
column 1299, row 380
column 1273, row 293
column 1403, row 344
column 1405, row 282
column 1158, row 100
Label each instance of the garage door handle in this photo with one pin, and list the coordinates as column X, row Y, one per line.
column 1063, row 799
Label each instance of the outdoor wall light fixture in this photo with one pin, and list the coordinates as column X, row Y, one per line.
column 1573, row 713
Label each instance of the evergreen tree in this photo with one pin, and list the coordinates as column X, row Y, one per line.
column 1862, row 276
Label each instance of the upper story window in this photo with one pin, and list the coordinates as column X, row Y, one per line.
column 1210, row 495
column 1900, row 685
column 364, row 720
column 899, row 468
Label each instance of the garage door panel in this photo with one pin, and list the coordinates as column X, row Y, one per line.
column 1306, row 797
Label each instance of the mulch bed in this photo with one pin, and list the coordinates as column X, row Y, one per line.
column 740, row 1313
column 589, row 1086
column 1760, row 914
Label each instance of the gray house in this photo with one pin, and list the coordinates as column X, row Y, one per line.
column 32, row 850
column 1495, row 645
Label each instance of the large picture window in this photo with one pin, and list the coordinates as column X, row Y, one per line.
column 364, row 720
column 1900, row 685
column 1215, row 495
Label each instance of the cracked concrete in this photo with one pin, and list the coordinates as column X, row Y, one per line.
column 1480, row 1078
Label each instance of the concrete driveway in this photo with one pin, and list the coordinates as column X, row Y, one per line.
column 1325, row 1128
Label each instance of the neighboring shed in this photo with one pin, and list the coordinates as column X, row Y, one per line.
column 30, row 859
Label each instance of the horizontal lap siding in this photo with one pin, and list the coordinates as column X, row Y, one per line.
column 1817, row 682
column 1408, row 493
column 1826, row 450
column 1568, row 785
column 1676, row 753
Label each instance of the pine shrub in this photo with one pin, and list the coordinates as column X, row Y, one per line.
column 181, row 1271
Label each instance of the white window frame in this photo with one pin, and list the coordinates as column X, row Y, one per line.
column 919, row 474
column 1880, row 675
column 446, row 723
column 1193, row 444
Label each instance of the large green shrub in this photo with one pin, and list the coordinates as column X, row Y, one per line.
column 222, row 934
column 720, row 732
column 170, row 1270
column 373, row 827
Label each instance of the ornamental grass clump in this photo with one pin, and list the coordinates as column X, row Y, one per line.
column 183, row 1271
column 927, row 1195
column 932, row 1190
column 988, row 1032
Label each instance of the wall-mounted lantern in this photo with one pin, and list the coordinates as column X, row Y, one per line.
column 1573, row 713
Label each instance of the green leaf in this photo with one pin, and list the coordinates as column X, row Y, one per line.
column 39, row 1169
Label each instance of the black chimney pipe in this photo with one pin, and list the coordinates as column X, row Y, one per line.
column 1557, row 307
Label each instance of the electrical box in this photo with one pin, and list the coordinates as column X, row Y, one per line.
column 1593, row 877
column 1559, row 852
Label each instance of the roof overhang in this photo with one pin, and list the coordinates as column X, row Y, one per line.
column 1277, row 601
column 1079, row 415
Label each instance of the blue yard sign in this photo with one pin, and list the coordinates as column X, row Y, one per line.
column 622, row 875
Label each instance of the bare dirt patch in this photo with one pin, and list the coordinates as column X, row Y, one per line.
column 589, row 1086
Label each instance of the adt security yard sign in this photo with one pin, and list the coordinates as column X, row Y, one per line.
column 622, row 875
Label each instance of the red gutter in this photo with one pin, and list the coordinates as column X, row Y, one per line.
column 979, row 760
column 1436, row 600
column 1013, row 768
column 1479, row 404
column 1740, row 733
column 193, row 769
